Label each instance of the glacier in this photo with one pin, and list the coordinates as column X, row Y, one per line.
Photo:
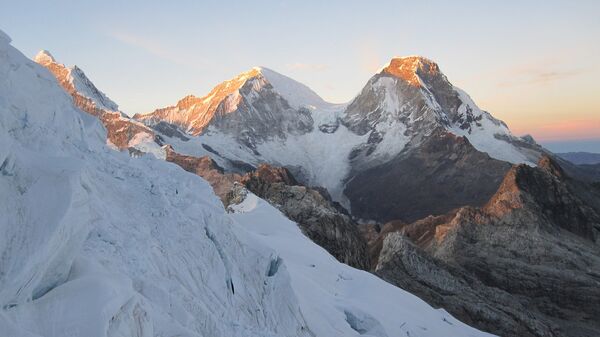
column 94, row 242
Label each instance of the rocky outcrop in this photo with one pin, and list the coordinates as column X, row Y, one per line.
column 221, row 182
column 318, row 218
column 524, row 264
column 442, row 173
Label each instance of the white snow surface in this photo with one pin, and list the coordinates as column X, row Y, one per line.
column 96, row 243
column 145, row 142
column 484, row 139
column 296, row 93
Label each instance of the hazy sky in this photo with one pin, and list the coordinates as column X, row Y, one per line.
column 533, row 64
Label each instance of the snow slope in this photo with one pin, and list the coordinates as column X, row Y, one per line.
column 296, row 93
column 96, row 243
column 338, row 300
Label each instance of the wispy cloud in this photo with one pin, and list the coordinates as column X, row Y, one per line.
column 551, row 76
column 306, row 66
column 533, row 75
column 158, row 49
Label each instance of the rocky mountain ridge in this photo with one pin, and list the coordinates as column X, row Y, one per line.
column 523, row 264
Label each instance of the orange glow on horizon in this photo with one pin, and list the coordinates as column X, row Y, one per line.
column 558, row 130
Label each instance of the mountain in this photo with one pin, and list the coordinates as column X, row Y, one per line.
column 579, row 158
column 456, row 209
column 524, row 264
column 316, row 215
column 264, row 117
column 123, row 132
column 261, row 111
column 489, row 226
column 95, row 242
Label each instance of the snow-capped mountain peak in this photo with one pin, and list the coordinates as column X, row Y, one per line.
column 412, row 93
column 260, row 102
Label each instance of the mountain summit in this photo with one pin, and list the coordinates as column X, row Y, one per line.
column 412, row 68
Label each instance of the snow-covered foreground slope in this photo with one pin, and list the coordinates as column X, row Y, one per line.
column 95, row 243
column 337, row 300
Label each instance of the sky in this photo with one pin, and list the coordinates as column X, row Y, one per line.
column 533, row 64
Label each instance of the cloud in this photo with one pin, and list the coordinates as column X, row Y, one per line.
column 306, row 66
column 551, row 76
column 527, row 75
column 158, row 49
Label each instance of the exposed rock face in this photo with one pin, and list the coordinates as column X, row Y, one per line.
column 221, row 182
column 442, row 173
column 321, row 221
column 524, row 264
column 121, row 130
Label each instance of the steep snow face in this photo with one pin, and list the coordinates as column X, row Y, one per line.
column 488, row 134
column 96, row 243
column 295, row 93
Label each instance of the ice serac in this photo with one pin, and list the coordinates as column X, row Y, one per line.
column 122, row 132
column 96, row 243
